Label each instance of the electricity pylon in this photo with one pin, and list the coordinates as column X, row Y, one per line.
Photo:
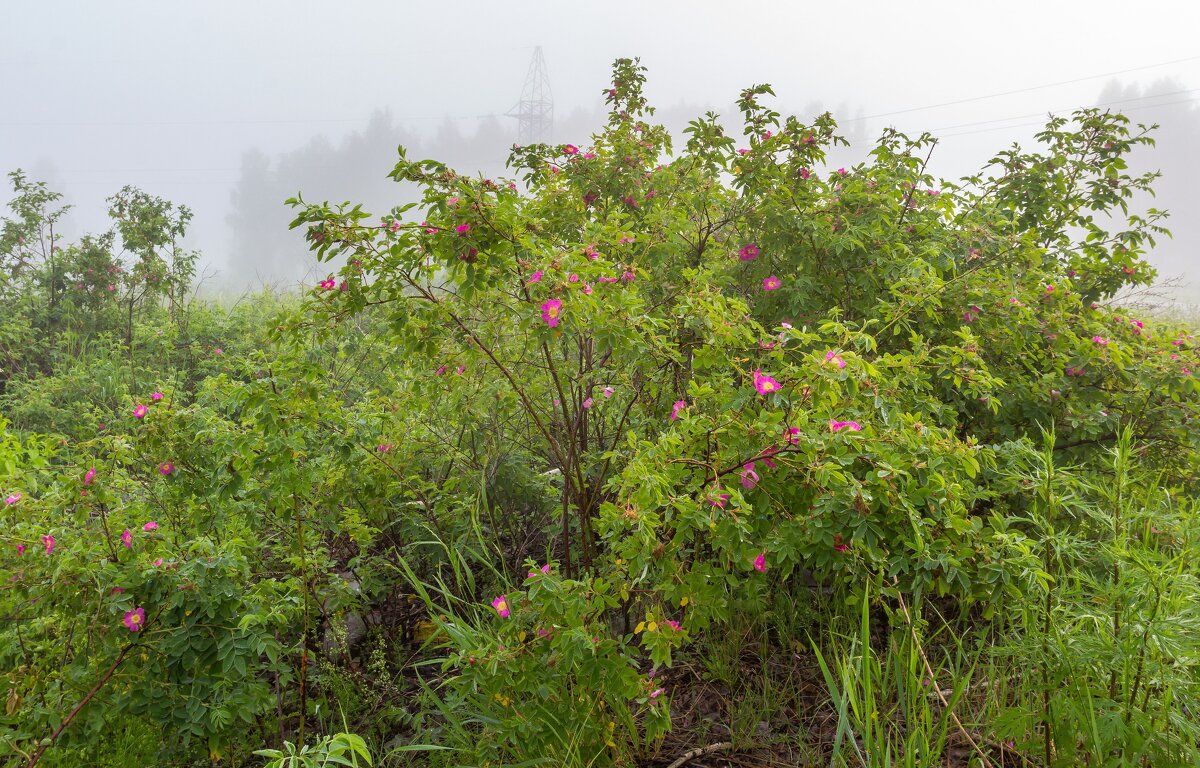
column 535, row 110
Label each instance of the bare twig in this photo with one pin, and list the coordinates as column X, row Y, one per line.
column 929, row 670
column 699, row 752
column 33, row 760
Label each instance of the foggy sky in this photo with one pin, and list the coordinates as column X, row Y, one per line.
column 177, row 97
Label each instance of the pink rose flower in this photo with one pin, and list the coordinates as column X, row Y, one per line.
column 500, row 603
column 764, row 383
column 135, row 619
column 551, row 312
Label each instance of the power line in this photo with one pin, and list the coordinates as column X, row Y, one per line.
column 1026, row 125
column 1030, row 88
column 1066, row 109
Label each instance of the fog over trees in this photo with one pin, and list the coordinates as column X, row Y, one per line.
column 233, row 119
column 355, row 166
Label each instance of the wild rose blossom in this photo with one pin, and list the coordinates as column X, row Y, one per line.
column 570, row 149
column 463, row 229
column 717, row 499
column 48, row 543
column 749, row 476
column 676, row 408
column 831, row 357
column 140, row 411
column 545, row 569
column 166, row 468
column 607, row 392
column 587, row 404
column 536, row 277
column 748, row 252
column 500, row 603
column 127, row 539
column 12, row 498
column 838, row 426
column 760, row 562
column 551, row 310
column 89, row 476
column 135, row 619
column 150, row 526
column 764, row 383
column 771, row 283
column 156, row 396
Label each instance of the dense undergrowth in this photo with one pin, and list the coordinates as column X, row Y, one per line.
column 712, row 449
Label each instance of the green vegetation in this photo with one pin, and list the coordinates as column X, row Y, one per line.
column 712, row 449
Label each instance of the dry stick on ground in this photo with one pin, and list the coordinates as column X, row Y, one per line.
column 699, row 751
column 933, row 679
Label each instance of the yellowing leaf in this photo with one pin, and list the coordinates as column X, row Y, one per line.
column 423, row 630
